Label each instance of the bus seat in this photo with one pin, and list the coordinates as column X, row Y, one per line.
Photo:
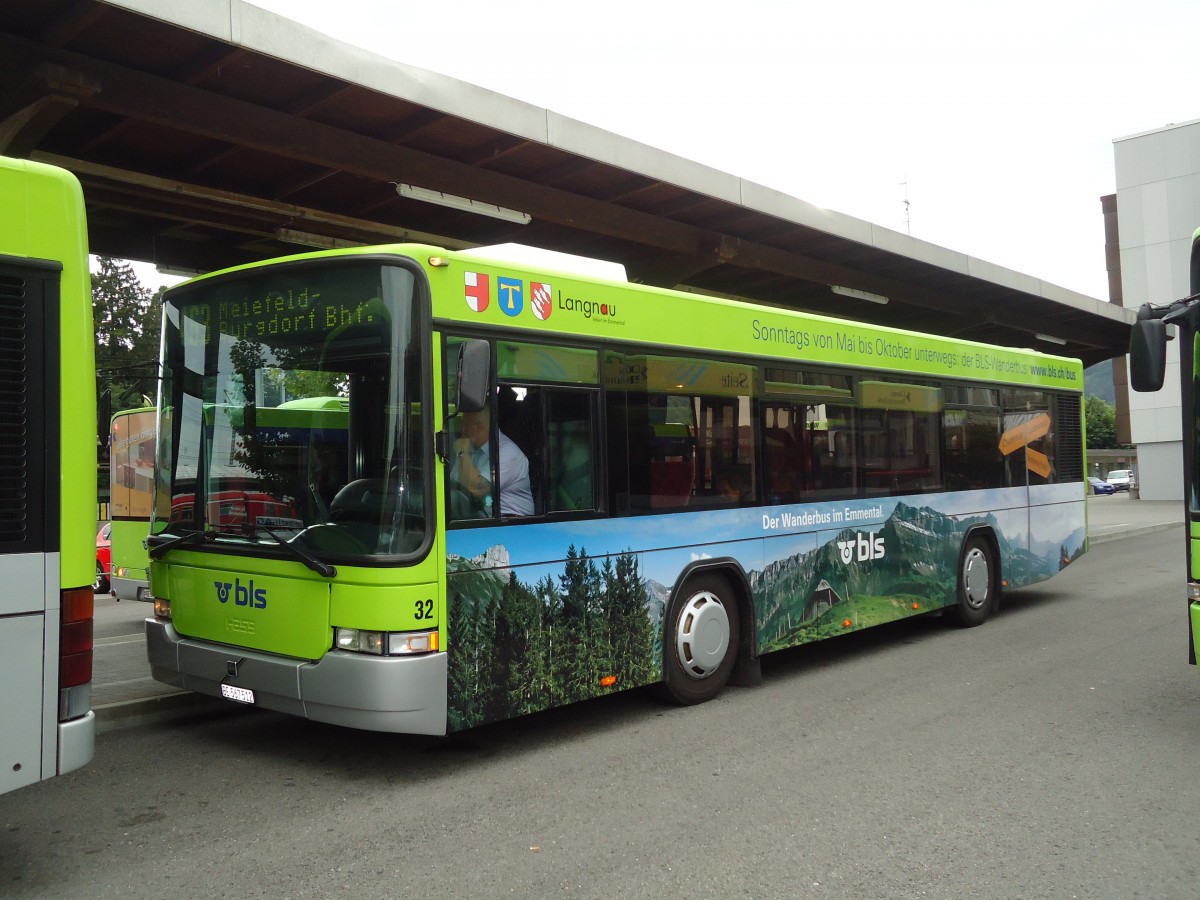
column 670, row 483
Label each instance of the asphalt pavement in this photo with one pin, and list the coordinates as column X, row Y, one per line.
column 124, row 694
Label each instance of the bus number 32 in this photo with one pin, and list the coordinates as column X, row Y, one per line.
column 424, row 609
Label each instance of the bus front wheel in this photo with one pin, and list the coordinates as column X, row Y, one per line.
column 701, row 640
column 978, row 583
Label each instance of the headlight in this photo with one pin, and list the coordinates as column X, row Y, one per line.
column 358, row 641
column 385, row 643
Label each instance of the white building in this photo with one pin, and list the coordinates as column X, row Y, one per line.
column 1158, row 209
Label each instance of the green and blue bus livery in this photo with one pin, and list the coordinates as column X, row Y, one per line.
column 711, row 480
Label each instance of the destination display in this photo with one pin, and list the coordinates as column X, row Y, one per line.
column 296, row 305
column 295, row 314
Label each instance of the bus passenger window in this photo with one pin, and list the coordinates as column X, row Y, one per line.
column 808, row 423
column 487, row 463
column 1028, row 439
column 519, row 431
column 670, row 441
column 569, row 458
column 971, row 431
column 471, row 492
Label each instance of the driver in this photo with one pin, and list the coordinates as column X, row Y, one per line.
column 473, row 466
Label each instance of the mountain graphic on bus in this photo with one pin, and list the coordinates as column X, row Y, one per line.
column 529, row 637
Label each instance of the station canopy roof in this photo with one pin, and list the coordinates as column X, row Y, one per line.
column 208, row 134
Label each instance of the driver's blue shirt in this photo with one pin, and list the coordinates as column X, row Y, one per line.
column 516, row 496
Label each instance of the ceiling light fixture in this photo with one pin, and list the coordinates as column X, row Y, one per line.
column 1050, row 339
column 466, row 204
column 859, row 295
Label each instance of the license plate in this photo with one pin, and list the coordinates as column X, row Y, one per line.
column 241, row 695
column 143, row 593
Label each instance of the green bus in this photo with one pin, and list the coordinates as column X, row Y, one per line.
column 47, row 476
column 546, row 484
column 1147, row 372
column 131, row 481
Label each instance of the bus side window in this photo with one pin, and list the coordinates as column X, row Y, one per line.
column 785, row 460
column 670, row 450
column 519, row 417
column 1027, row 442
column 1052, row 452
column 569, row 451
column 555, row 429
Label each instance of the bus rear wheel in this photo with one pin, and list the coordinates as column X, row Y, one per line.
column 701, row 640
column 978, row 583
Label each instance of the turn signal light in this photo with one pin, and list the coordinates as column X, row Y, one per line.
column 846, row 623
column 404, row 644
column 608, row 681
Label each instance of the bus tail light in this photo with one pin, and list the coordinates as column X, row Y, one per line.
column 75, row 638
column 162, row 608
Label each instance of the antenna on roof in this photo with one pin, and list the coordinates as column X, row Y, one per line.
column 907, row 220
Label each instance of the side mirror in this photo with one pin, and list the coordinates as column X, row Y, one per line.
column 474, row 375
column 1147, row 355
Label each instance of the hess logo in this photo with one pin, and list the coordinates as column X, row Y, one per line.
column 243, row 595
column 862, row 546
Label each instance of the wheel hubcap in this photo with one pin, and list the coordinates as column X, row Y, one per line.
column 977, row 581
column 702, row 635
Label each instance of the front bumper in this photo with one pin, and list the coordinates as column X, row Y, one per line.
column 130, row 588
column 375, row 693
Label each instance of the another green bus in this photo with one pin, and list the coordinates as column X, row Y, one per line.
column 547, row 486
column 131, row 481
column 1147, row 372
column 47, row 476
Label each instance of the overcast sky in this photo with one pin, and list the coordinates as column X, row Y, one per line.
column 996, row 122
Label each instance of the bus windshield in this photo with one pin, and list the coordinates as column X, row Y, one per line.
column 291, row 410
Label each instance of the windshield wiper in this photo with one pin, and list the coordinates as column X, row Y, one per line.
column 187, row 540
column 183, row 540
column 302, row 553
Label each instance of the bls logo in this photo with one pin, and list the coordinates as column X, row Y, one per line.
column 242, row 595
column 869, row 546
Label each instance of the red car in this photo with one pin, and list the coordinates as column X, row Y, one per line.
column 103, row 559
